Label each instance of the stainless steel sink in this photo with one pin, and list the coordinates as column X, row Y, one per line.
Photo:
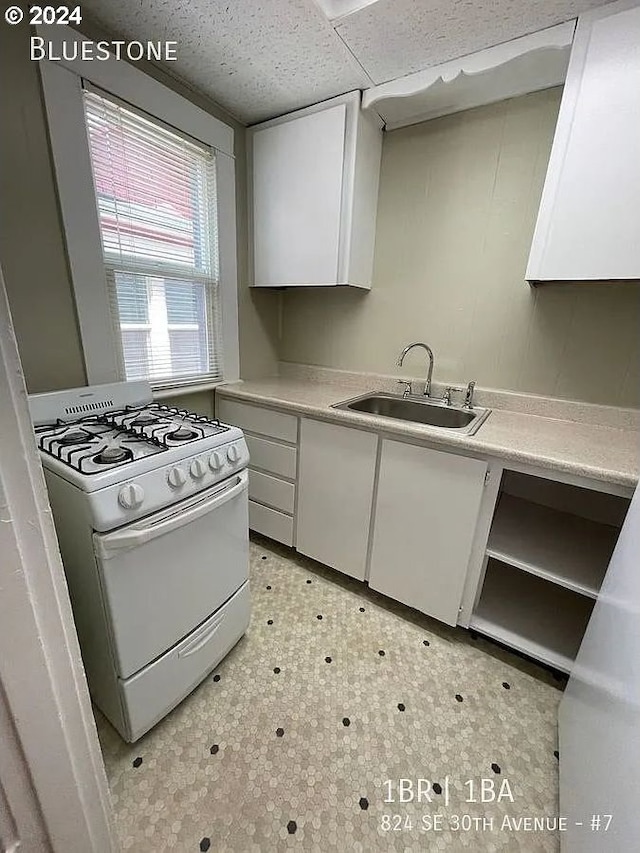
column 418, row 410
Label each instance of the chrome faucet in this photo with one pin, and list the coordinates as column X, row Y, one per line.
column 427, row 387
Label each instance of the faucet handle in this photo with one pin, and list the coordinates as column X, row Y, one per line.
column 448, row 391
column 468, row 397
column 407, row 386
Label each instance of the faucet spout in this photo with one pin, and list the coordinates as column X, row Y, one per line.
column 429, row 351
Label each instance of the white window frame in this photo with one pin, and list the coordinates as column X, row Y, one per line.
column 62, row 86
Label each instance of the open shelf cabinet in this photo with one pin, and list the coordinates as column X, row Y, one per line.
column 547, row 554
column 565, row 549
column 531, row 615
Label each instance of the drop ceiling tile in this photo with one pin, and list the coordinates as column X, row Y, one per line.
column 393, row 38
column 256, row 59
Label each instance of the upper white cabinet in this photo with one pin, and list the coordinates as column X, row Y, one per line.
column 335, row 492
column 426, row 513
column 588, row 225
column 314, row 180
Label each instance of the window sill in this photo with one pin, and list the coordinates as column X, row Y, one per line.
column 162, row 393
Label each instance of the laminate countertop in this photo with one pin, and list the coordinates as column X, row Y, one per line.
column 605, row 452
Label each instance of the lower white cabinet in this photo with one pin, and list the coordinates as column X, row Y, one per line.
column 272, row 491
column 272, row 439
column 271, row 522
column 547, row 553
column 425, row 517
column 335, row 493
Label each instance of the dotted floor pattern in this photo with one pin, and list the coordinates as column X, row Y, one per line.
column 303, row 731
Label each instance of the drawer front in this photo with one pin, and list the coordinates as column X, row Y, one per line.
column 272, row 457
column 159, row 687
column 256, row 419
column 271, row 491
column 276, row 525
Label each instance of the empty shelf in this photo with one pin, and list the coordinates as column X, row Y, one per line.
column 532, row 616
column 568, row 550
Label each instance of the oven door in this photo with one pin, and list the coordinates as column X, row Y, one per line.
column 164, row 575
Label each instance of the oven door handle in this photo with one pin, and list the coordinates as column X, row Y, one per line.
column 132, row 537
column 201, row 639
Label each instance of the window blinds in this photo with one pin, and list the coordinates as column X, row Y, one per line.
column 156, row 198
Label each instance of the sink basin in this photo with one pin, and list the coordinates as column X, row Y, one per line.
column 417, row 410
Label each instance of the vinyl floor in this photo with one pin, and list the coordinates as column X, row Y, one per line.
column 344, row 722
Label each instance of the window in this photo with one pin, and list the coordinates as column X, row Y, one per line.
column 156, row 197
column 162, row 171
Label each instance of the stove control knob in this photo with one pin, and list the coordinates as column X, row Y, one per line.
column 233, row 454
column 131, row 496
column 216, row 461
column 176, row 478
column 198, row 469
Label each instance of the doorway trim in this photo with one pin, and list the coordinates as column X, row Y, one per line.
column 53, row 787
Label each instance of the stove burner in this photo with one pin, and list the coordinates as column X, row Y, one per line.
column 111, row 455
column 79, row 436
column 182, row 434
column 144, row 419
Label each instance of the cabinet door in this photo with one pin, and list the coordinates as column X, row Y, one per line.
column 587, row 225
column 335, row 492
column 425, row 517
column 297, row 195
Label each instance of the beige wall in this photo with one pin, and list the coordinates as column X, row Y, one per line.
column 457, row 206
column 458, row 198
column 32, row 249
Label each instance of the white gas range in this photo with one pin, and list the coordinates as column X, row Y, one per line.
column 150, row 505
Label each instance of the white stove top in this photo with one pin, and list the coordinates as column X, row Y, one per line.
column 95, row 444
column 107, row 435
column 96, row 451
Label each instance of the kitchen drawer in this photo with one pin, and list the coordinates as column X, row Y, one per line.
column 256, row 419
column 271, row 491
column 276, row 525
column 159, row 687
column 272, row 457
